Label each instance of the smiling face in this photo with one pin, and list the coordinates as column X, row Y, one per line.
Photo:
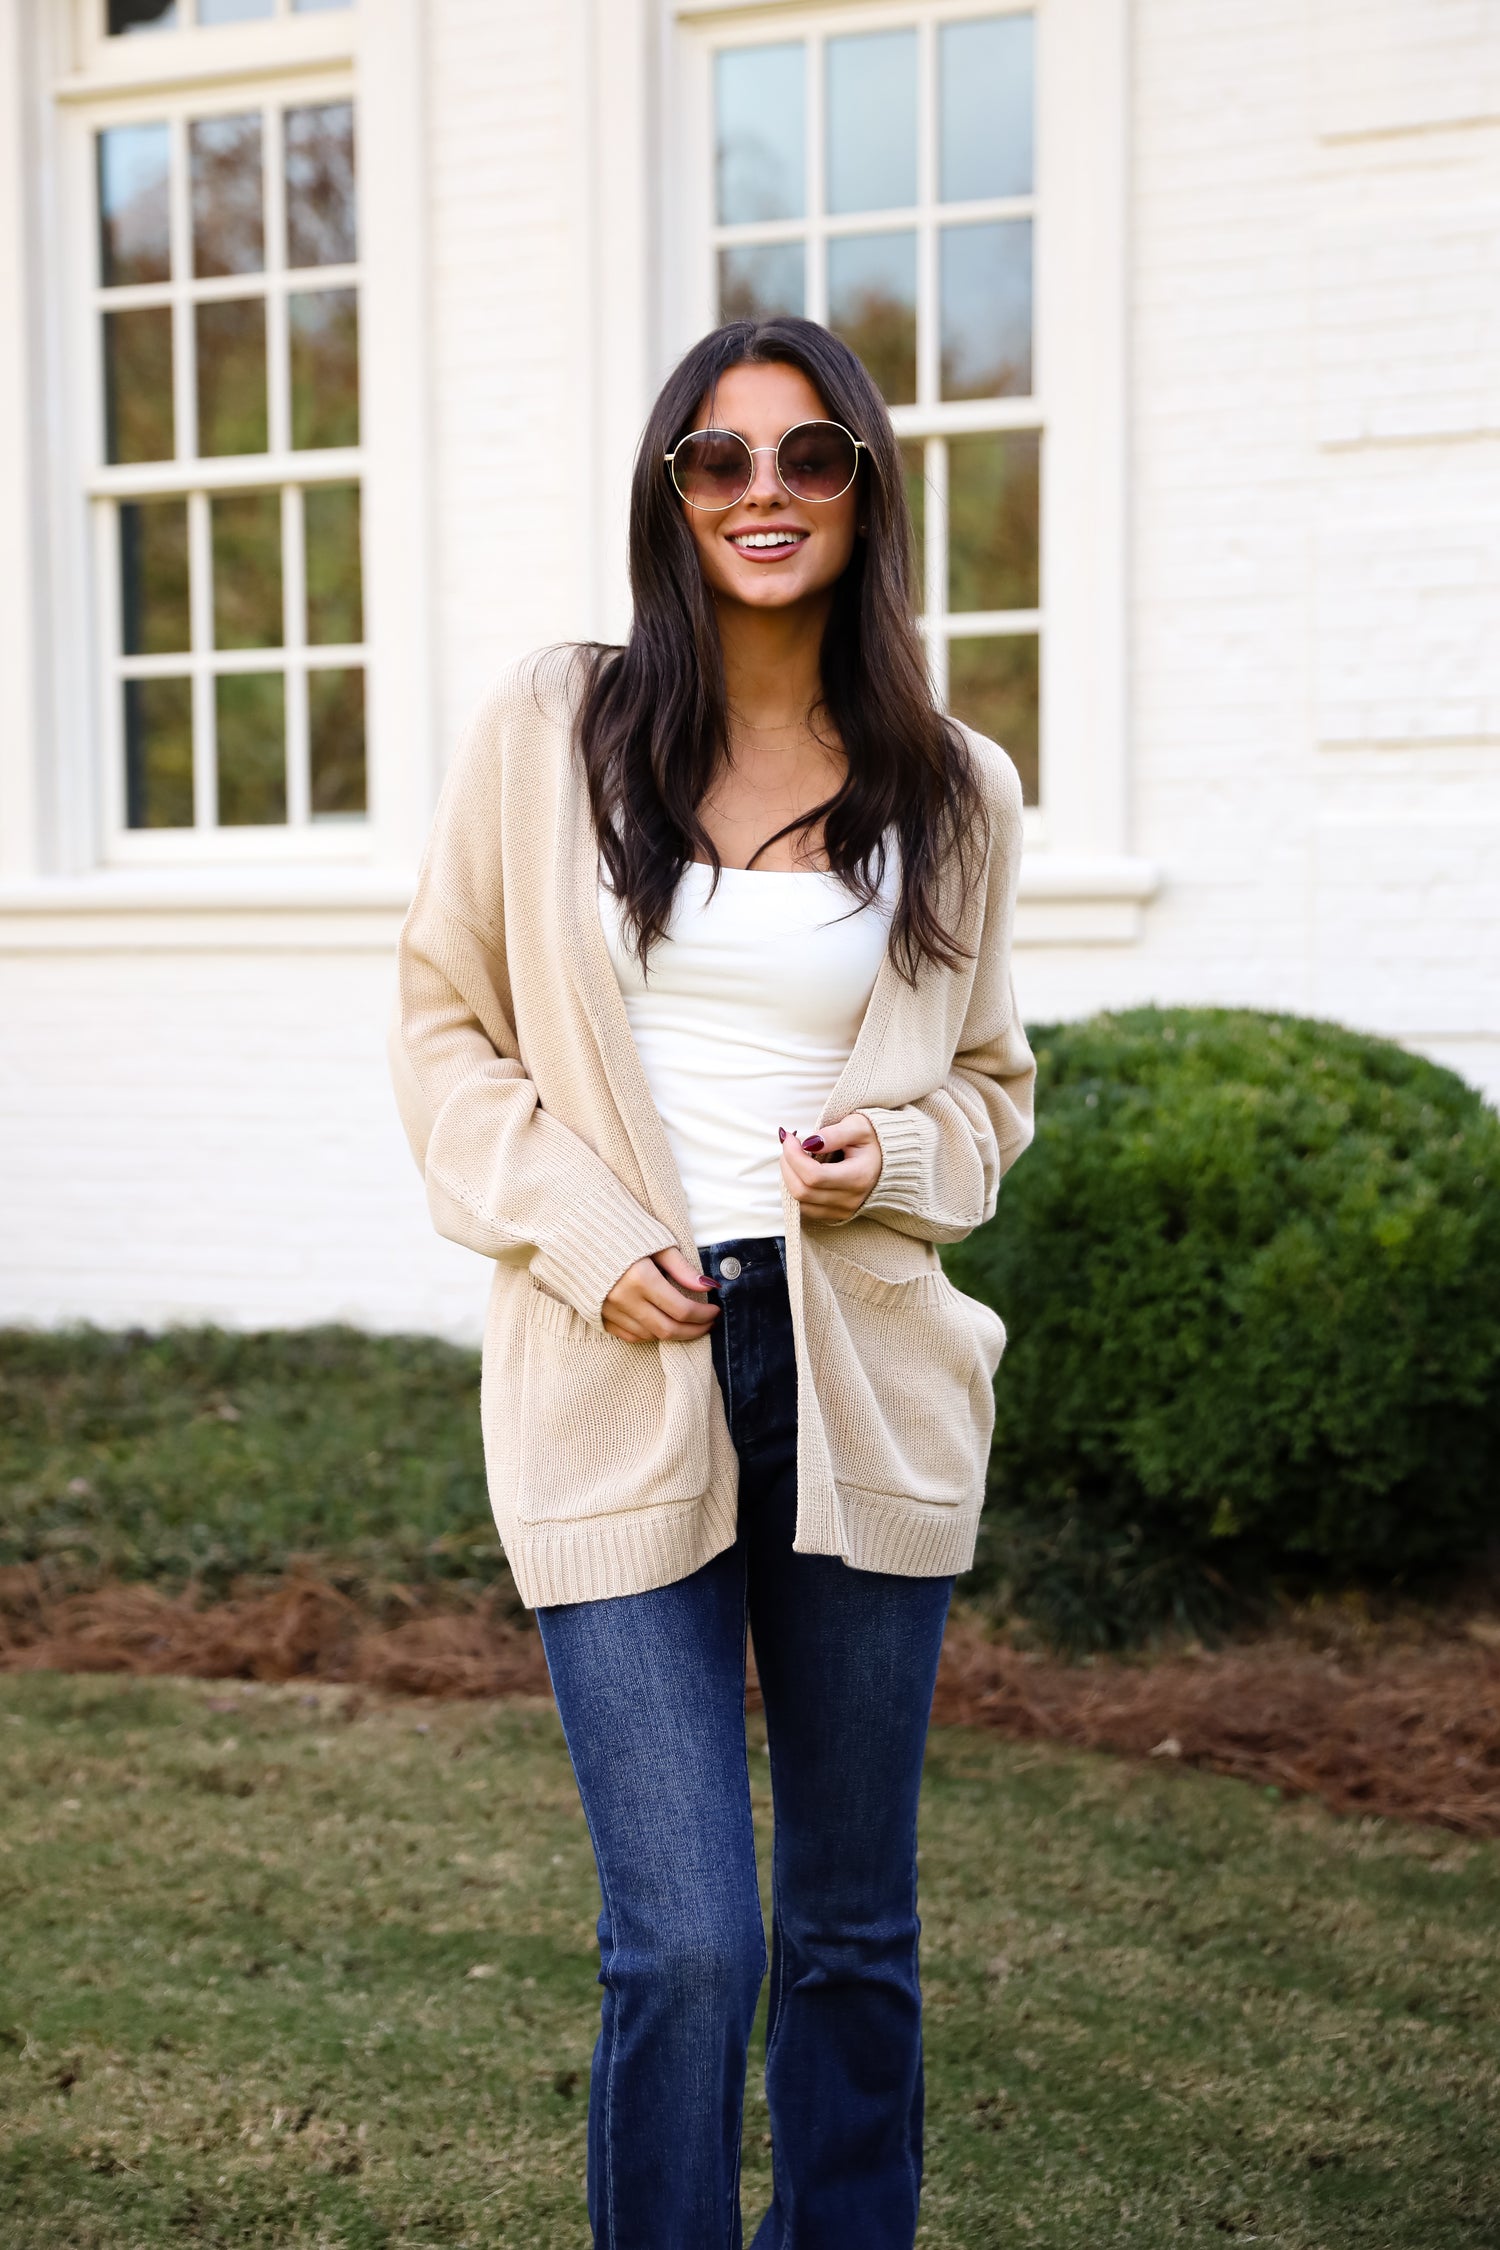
column 770, row 550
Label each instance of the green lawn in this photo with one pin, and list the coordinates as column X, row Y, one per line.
column 281, row 1970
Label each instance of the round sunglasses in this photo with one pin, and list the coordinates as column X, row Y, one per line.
column 712, row 469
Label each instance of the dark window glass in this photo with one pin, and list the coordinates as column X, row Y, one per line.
column 334, row 604
column 994, row 510
column 320, row 224
column 759, row 279
column 247, row 569
column 141, row 15
column 325, row 368
column 251, row 715
column 336, row 742
column 759, row 122
column 993, row 687
column 232, row 376
column 138, row 422
column 985, row 125
column 985, row 279
column 134, row 218
column 228, row 228
column 154, row 619
column 159, row 753
column 872, row 304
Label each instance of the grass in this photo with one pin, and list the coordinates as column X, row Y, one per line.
column 205, row 1455
column 285, row 1969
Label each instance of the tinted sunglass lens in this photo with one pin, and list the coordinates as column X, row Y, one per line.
column 712, row 470
column 817, row 461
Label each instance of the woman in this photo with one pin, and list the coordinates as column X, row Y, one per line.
column 707, row 1036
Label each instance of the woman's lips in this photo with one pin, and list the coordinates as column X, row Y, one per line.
column 761, row 546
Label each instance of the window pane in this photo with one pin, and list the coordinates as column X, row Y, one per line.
column 760, row 113
column 251, row 710
column 336, row 728
column 994, row 502
column 872, row 304
column 759, row 279
column 317, row 7
column 134, row 217
column 913, row 461
column 159, row 753
column 986, row 310
column 325, row 368
column 247, row 569
column 985, row 130
column 992, row 687
column 234, row 11
column 228, row 232
column 154, row 619
column 141, row 15
column 232, row 376
column 872, row 121
column 320, row 228
column 138, row 384
column 334, row 603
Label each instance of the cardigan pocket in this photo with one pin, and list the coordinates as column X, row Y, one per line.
column 902, row 1372
column 605, row 1426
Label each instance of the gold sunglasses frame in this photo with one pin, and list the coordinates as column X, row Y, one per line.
column 815, row 422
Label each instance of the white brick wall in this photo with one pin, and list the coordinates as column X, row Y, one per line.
column 1314, row 502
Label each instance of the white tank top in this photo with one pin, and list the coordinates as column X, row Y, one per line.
column 750, row 1010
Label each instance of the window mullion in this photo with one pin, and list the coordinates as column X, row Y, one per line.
column 278, row 396
column 294, row 640
column 201, row 634
column 927, row 291
column 184, row 341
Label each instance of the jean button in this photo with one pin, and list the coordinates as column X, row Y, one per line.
column 730, row 1268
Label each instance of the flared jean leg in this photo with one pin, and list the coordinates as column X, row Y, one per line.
column 651, row 1692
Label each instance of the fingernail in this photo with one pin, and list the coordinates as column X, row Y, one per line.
column 813, row 1143
column 781, row 1132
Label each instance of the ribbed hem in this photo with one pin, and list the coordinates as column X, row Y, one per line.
column 905, row 1538
column 598, row 1558
column 903, row 1135
column 601, row 1231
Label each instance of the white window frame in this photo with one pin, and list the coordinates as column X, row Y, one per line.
column 72, row 797
column 1080, row 882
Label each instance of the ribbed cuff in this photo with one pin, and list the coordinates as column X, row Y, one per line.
column 601, row 1231
column 903, row 1137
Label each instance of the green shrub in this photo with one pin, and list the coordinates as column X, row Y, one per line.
column 1251, row 1270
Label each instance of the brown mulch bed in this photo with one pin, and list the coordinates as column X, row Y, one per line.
column 1405, row 1730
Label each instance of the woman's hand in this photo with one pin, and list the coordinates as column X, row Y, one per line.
column 660, row 1298
column 833, row 1171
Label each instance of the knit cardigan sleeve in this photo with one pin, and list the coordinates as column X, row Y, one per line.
column 503, row 1176
column 943, row 1155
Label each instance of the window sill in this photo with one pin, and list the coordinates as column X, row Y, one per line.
column 212, row 909
column 1083, row 899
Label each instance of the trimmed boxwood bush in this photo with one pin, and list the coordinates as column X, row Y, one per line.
column 1251, row 1272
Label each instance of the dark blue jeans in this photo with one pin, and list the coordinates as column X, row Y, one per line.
column 651, row 1692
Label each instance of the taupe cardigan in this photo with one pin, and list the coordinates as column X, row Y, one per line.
column 610, row 1465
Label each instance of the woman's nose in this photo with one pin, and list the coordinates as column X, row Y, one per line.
column 765, row 484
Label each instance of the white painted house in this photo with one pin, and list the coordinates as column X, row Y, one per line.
column 325, row 335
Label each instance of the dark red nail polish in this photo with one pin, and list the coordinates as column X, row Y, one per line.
column 781, row 1132
column 813, row 1143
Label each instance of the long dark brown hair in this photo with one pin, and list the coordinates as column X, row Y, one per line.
column 653, row 723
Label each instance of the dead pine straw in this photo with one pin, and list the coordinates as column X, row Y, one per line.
column 1400, row 1732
